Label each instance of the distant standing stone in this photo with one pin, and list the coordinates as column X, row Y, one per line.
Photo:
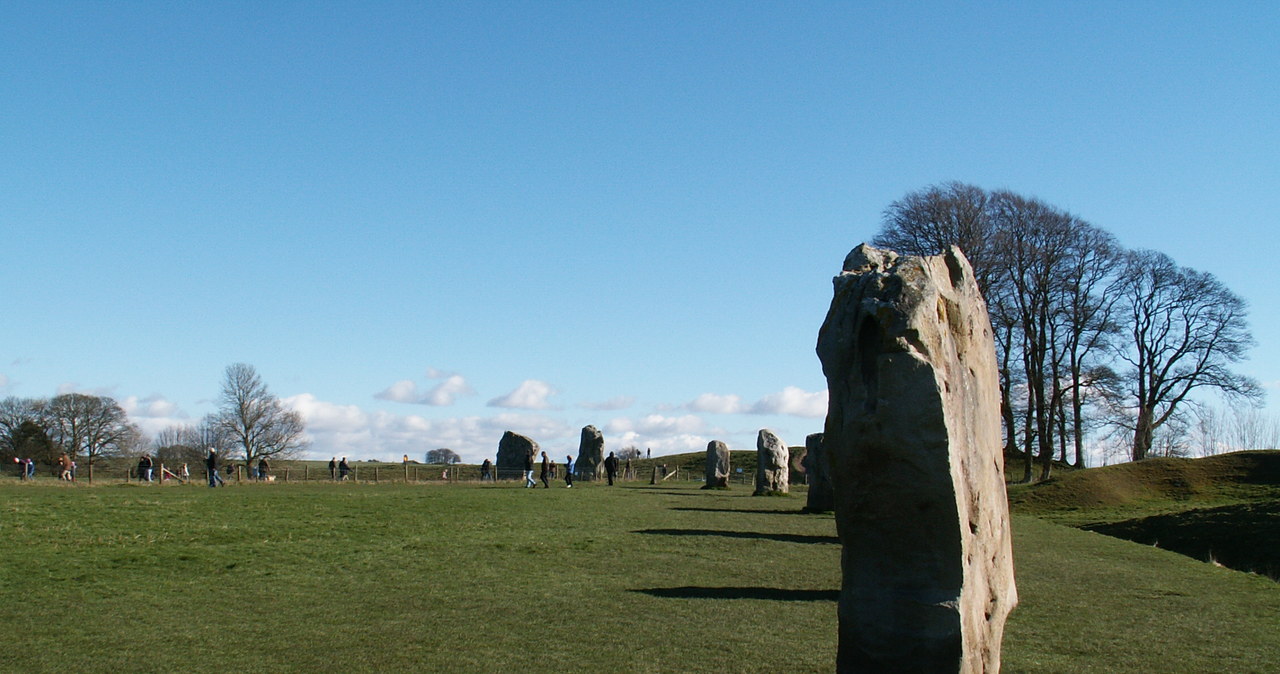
column 717, row 465
column 772, row 464
column 590, row 464
column 512, row 450
column 818, row 474
column 913, row 441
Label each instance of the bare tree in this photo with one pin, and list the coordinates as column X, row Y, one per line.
column 1187, row 331
column 1036, row 241
column 253, row 421
column 1087, row 314
column 94, row 425
column 180, row 444
column 925, row 222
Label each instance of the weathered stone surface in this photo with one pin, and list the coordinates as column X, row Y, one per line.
column 772, row 464
column 512, row 450
column 590, row 462
column 913, row 441
column 818, row 475
column 717, row 465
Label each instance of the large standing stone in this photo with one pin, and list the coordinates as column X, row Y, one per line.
column 590, row 462
column 913, row 440
column 717, row 465
column 512, row 450
column 772, row 464
column 818, row 475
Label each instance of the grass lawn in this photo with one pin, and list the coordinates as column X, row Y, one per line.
column 413, row 577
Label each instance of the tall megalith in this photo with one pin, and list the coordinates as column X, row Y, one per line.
column 818, row 475
column 717, row 466
column 913, row 440
column 590, row 462
column 512, row 450
column 773, row 471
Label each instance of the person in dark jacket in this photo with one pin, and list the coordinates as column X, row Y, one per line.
column 145, row 466
column 344, row 469
column 211, row 465
column 546, row 472
column 263, row 467
column 611, row 467
column 333, row 468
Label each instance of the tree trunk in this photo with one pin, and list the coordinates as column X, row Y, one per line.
column 1142, row 434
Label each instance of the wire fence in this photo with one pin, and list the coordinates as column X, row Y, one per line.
column 409, row 473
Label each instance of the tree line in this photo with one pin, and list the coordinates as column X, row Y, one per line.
column 1092, row 339
column 250, row 424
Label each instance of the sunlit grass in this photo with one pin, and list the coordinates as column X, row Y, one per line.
column 395, row 577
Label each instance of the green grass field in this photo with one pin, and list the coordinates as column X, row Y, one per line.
column 435, row 577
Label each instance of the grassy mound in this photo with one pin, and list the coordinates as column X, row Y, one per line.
column 1159, row 483
column 1223, row 509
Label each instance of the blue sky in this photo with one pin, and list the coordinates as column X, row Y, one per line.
column 428, row 223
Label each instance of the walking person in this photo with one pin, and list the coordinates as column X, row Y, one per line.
column 568, row 471
column 211, row 465
column 263, row 467
column 528, row 470
column 64, row 464
column 486, row 471
column 611, row 468
column 145, row 466
column 546, row 472
column 31, row 468
column 344, row 469
column 333, row 468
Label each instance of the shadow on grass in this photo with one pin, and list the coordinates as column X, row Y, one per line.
column 789, row 511
column 785, row 538
column 770, row 593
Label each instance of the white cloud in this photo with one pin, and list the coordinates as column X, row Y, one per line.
column 151, row 407
column 612, row 404
column 403, row 391
column 656, row 424
column 712, row 403
column 531, row 394
column 442, row 395
column 794, row 401
column 662, row 434
column 791, row 400
column 447, row 391
column 347, row 430
column 153, row 413
column 675, row 444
